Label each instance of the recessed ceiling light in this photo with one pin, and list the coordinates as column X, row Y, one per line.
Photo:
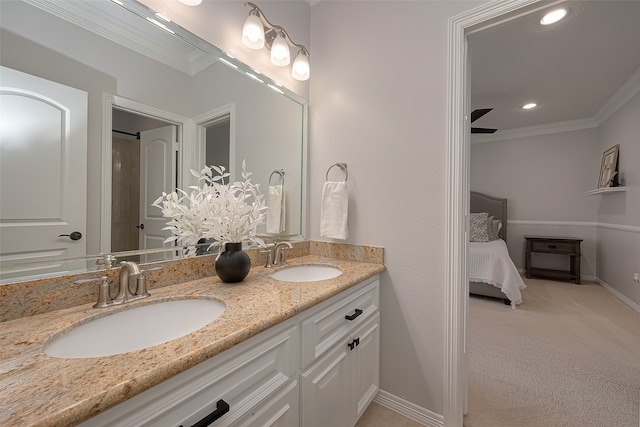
column 553, row 16
column 529, row 106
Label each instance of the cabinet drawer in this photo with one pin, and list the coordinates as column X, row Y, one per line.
column 242, row 377
column 553, row 247
column 323, row 329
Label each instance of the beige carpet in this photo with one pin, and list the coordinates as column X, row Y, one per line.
column 568, row 356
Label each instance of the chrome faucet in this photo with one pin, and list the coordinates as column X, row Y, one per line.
column 279, row 253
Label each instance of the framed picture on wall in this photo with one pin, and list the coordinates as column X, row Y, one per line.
column 609, row 168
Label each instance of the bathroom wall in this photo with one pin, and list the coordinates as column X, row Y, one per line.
column 378, row 103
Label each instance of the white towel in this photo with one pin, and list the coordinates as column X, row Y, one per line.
column 276, row 211
column 334, row 210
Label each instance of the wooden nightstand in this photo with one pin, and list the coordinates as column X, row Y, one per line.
column 554, row 245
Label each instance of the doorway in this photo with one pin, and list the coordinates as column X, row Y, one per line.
column 457, row 209
column 143, row 164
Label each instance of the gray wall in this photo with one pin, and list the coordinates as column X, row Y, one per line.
column 544, row 178
column 618, row 254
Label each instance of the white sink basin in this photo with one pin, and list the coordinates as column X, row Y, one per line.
column 307, row 273
column 135, row 328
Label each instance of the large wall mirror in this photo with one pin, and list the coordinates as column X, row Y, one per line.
column 104, row 106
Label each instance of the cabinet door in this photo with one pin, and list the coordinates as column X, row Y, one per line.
column 365, row 366
column 325, row 390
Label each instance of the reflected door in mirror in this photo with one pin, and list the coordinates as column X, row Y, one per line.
column 158, row 165
column 43, row 157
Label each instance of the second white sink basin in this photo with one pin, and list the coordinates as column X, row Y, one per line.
column 307, row 273
column 136, row 328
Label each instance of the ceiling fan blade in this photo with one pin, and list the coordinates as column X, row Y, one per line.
column 476, row 114
column 483, row 130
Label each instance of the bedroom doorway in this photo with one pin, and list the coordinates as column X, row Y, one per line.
column 458, row 190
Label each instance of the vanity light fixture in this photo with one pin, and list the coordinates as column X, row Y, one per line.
column 258, row 32
column 529, row 106
column 553, row 16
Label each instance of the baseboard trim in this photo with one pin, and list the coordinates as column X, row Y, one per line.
column 408, row 409
column 620, row 296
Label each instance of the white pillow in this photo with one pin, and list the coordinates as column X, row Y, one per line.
column 478, row 231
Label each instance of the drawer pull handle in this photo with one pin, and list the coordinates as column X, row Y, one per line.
column 354, row 315
column 222, row 408
column 353, row 344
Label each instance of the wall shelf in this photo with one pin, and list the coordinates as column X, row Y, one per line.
column 606, row 190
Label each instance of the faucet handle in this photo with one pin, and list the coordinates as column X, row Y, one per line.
column 141, row 282
column 269, row 253
column 104, row 296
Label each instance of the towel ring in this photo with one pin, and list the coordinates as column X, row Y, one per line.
column 342, row 166
column 279, row 172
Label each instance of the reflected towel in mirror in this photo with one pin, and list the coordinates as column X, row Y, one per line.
column 276, row 212
column 334, row 210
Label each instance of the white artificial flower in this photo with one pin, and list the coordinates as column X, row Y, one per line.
column 226, row 213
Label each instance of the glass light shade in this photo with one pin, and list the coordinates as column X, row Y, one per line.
column 253, row 32
column 191, row 2
column 553, row 17
column 280, row 54
column 300, row 68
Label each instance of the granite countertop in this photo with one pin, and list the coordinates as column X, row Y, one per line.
column 39, row 390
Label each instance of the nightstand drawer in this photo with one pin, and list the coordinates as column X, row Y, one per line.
column 553, row 247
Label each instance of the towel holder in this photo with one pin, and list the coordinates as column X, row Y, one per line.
column 278, row 172
column 342, row 166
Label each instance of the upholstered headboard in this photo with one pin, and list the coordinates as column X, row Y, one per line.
column 495, row 206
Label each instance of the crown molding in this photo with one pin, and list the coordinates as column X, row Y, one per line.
column 567, row 126
column 628, row 90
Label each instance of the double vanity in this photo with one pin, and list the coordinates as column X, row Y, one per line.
column 292, row 345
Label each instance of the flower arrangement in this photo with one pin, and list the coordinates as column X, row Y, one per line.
column 225, row 212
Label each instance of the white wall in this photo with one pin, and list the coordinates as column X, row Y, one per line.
column 378, row 97
column 619, row 213
column 544, row 178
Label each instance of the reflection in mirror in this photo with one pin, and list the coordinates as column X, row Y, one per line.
column 120, row 62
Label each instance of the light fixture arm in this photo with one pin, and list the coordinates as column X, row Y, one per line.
column 271, row 31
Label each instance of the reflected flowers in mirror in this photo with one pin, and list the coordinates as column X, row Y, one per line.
column 226, row 212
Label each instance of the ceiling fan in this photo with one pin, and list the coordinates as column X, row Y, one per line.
column 475, row 115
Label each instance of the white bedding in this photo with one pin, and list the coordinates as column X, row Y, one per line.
column 489, row 262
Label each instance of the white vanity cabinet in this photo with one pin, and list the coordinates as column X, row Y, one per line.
column 319, row 368
column 340, row 382
column 257, row 379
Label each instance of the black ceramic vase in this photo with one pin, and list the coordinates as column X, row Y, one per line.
column 233, row 264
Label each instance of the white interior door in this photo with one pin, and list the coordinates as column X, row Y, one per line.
column 158, row 171
column 43, row 168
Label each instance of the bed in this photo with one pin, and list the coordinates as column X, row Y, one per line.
column 491, row 270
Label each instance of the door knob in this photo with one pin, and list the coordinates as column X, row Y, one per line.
column 141, row 226
column 75, row 235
